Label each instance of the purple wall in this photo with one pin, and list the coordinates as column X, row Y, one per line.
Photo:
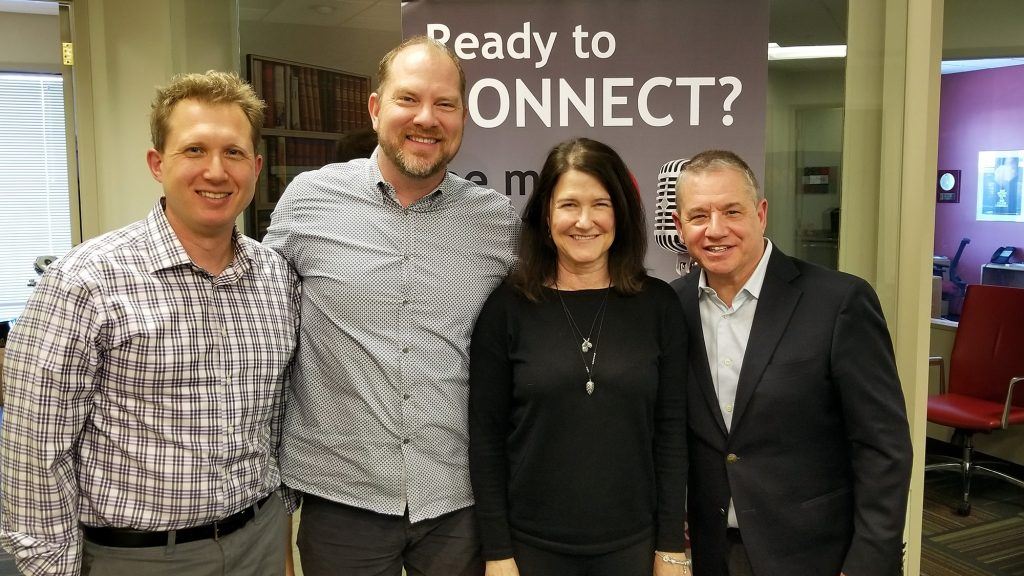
column 982, row 110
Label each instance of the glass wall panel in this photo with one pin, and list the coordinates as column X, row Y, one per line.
column 804, row 131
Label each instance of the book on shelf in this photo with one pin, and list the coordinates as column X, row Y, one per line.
column 280, row 89
column 309, row 110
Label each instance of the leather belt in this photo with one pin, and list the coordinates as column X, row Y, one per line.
column 128, row 538
column 733, row 535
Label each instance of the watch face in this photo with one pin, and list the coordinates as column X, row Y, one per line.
column 947, row 181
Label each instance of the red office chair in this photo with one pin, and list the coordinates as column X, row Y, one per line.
column 985, row 367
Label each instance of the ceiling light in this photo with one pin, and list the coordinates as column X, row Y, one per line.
column 776, row 52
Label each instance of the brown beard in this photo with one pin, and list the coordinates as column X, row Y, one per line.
column 397, row 157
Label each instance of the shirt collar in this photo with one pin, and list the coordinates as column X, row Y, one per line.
column 166, row 251
column 753, row 284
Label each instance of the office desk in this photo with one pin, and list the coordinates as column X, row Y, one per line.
column 1003, row 275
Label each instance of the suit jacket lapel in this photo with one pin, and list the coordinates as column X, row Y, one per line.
column 775, row 306
column 698, row 349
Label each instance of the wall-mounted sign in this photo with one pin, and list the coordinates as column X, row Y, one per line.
column 655, row 79
column 817, row 179
column 947, row 187
column 999, row 185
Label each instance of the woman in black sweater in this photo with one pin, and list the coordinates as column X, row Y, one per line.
column 577, row 411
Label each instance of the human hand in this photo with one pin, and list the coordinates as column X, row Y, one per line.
column 506, row 567
column 663, row 568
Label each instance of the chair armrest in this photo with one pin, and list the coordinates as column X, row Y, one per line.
column 941, row 363
column 1009, row 401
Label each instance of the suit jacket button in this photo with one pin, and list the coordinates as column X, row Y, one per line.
column 732, row 458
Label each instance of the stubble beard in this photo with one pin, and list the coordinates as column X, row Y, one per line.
column 411, row 166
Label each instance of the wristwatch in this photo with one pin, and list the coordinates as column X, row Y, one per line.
column 670, row 560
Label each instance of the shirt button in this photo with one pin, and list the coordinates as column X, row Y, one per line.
column 727, row 361
column 732, row 458
column 405, row 396
column 405, row 302
column 405, row 350
column 728, row 408
column 405, row 441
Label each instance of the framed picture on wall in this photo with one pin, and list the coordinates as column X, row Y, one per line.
column 999, row 185
column 947, row 187
column 818, row 180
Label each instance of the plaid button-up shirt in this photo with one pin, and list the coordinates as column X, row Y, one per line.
column 142, row 391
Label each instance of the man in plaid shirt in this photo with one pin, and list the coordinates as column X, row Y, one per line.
column 145, row 379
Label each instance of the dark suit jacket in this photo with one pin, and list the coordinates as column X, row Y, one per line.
column 818, row 457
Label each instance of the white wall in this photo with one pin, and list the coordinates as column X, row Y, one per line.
column 131, row 48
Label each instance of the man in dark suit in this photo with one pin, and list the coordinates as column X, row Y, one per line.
column 799, row 443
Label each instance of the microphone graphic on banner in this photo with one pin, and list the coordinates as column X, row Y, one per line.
column 665, row 234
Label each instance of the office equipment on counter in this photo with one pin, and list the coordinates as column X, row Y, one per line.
column 1003, row 275
column 1002, row 255
column 40, row 266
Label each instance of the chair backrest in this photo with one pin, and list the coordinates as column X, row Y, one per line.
column 989, row 347
column 954, row 272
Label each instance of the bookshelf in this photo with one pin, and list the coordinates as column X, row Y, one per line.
column 309, row 109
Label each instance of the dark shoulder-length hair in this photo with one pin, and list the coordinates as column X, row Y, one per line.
column 538, row 256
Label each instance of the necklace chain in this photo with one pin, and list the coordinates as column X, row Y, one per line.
column 585, row 344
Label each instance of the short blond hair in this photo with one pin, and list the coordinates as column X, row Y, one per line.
column 211, row 87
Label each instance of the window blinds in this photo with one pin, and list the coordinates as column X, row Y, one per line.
column 35, row 217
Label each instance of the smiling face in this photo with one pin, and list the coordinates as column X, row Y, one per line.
column 722, row 223
column 582, row 223
column 419, row 115
column 208, row 168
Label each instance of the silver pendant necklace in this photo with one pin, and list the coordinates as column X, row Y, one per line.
column 585, row 344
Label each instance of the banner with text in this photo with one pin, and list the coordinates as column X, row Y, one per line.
column 655, row 79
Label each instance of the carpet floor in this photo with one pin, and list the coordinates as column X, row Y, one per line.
column 989, row 542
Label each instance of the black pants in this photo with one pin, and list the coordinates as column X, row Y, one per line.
column 338, row 539
column 635, row 560
column 737, row 562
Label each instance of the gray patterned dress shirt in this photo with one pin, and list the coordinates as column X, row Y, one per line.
column 376, row 417
column 142, row 392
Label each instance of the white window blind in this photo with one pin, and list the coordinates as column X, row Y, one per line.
column 35, row 217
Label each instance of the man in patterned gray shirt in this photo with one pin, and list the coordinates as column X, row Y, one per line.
column 396, row 257
column 145, row 380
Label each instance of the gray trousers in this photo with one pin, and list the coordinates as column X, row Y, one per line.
column 257, row 549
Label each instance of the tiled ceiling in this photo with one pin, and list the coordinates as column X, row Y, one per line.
column 793, row 22
column 381, row 15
